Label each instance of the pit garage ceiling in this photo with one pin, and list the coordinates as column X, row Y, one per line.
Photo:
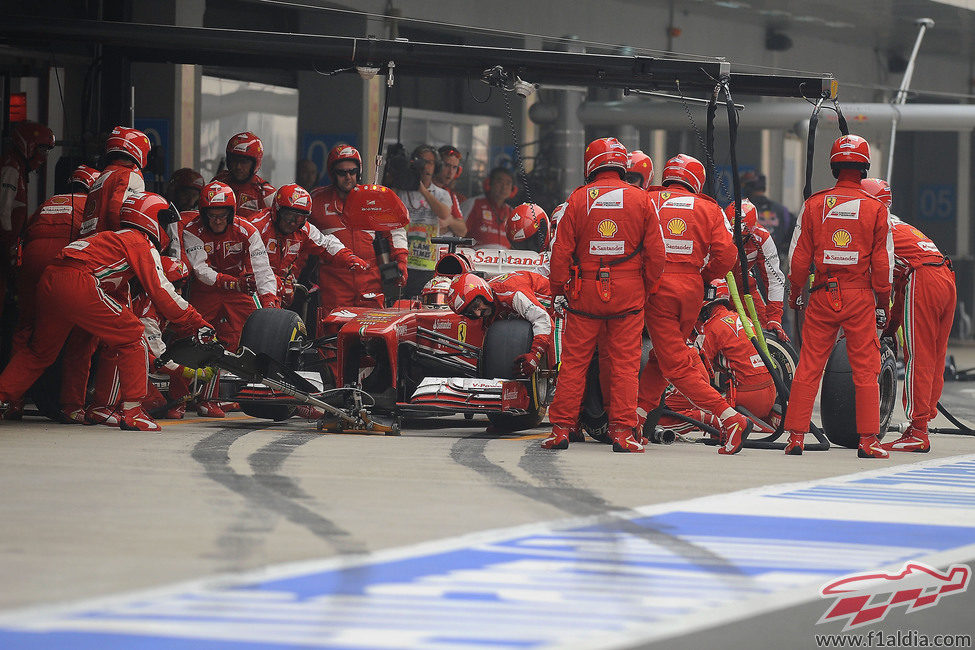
column 888, row 23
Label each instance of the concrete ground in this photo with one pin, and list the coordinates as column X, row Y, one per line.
column 90, row 511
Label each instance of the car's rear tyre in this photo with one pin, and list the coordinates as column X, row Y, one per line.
column 837, row 406
column 504, row 341
column 271, row 331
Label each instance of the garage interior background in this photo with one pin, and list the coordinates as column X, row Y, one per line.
column 83, row 89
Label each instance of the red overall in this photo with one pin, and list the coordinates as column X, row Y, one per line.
column 845, row 233
column 117, row 182
column 486, row 222
column 338, row 286
column 924, row 301
column 219, row 259
column 517, row 293
column 253, row 195
column 699, row 248
column 605, row 220
column 73, row 293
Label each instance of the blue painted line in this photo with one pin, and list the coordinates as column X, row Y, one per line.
column 587, row 584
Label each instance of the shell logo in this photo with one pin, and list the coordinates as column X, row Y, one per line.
column 830, row 202
column 607, row 228
column 842, row 238
column 677, row 226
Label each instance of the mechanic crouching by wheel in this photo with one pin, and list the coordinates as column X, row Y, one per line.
column 72, row 294
column 339, row 287
column 290, row 239
column 845, row 233
column 607, row 255
column 231, row 271
column 727, row 349
column 924, row 301
column 698, row 249
column 506, row 295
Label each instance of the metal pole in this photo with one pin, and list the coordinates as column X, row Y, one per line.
column 923, row 25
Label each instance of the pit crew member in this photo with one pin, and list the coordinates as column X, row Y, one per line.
column 763, row 259
column 699, row 249
column 924, row 303
column 608, row 253
column 487, row 215
column 232, row 275
column 528, row 228
column 845, row 233
column 254, row 194
column 339, row 287
column 126, row 153
column 72, row 294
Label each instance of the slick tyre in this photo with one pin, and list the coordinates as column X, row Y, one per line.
column 504, row 341
column 271, row 331
column 837, row 406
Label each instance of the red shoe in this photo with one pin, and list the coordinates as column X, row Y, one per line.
column 625, row 440
column 870, row 448
column 915, row 440
column 558, row 439
column 14, row 410
column 74, row 416
column 107, row 415
column 795, row 445
column 734, row 430
column 135, row 419
column 176, row 412
column 210, row 410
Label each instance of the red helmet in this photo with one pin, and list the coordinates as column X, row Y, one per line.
column 639, row 163
column 186, row 177
column 721, row 289
column 292, row 197
column 877, row 188
column 850, row 149
column 248, row 145
column 33, row 140
column 142, row 212
column 605, row 152
column 84, row 175
column 174, row 270
column 464, row 289
column 687, row 170
column 526, row 221
column 343, row 152
column 131, row 142
column 749, row 215
column 217, row 195
column 435, row 291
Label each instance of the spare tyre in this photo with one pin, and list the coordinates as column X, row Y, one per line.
column 271, row 331
column 837, row 406
column 504, row 341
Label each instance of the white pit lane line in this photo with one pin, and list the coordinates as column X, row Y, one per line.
column 601, row 582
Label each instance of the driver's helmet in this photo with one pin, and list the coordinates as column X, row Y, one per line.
column 435, row 291
column 716, row 293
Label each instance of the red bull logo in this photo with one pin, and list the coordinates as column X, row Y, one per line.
column 866, row 598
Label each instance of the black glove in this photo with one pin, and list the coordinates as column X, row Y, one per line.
column 206, row 336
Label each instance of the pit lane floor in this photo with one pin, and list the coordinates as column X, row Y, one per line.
column 92, row 512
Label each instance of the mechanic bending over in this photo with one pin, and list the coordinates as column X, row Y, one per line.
column 726, row 349
column 608, row 254
column 507, row 294
column 71, row 294
column 699, row 249
column 845, row 233
column 924, row 301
